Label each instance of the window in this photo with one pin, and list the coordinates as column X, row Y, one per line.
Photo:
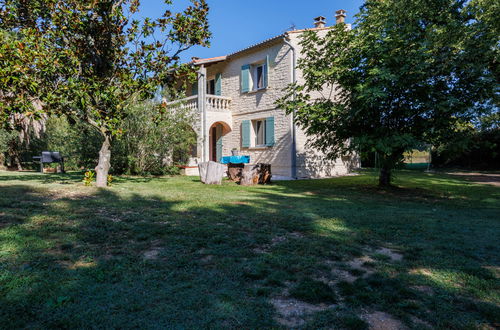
column 259, row 77
column 259, row 127
column 211, row 87
column 257, row 133
column 255, row 76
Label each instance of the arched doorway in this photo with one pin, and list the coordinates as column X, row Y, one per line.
column 216, row 134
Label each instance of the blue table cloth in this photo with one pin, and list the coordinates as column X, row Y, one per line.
column 235, row 160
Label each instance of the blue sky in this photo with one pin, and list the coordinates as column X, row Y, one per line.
column 237, row 24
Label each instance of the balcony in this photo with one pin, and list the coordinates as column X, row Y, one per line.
column 214, row 103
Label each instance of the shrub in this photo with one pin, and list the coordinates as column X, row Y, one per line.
column 146, row 147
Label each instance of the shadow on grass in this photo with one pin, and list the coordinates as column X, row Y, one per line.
column 106, row 259
column 70, row 177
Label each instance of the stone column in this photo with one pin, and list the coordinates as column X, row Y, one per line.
column 202, row 108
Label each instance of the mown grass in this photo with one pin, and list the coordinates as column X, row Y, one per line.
column 173, row 253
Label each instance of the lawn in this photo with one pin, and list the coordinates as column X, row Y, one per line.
column 173, row 253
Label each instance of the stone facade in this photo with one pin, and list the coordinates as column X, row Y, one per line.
column 255, row 105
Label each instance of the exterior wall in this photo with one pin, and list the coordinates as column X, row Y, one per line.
column 311, row 163
column 260, row 104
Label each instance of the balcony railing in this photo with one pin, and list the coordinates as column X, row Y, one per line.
column 218, row 103
column 189, row 103
column 214, row 103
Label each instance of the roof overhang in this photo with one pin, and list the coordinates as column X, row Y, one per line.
column 205, row 61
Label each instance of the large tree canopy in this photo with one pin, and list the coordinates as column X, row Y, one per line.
column 102, row 56
column 406, row 74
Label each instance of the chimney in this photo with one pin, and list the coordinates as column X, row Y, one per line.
column 319, row 22
column 341, row 14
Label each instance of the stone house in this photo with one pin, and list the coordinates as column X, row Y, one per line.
column 234, row 103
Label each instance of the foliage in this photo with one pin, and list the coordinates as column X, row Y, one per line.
column 405, row 75
column 177, row 253
column 22, row 64
column 150, row 143
column 471, row 149
column 106, row 56
column 88, row 178
column 110, row 179
column 5, row 137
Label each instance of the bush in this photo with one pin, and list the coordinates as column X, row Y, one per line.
column 476, row 150
column 151, row 144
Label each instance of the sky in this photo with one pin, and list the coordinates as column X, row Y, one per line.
column 237, row 24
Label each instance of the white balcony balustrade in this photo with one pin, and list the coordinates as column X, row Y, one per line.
column 214, row 103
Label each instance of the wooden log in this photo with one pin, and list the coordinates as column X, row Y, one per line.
column 234, row 171
column 249, row 175
column 265, row 173
column 211, row 172
column 253, row 174
column 202, row 167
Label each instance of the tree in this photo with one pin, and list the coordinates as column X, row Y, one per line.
column 105, row 56
column 408, row 73
column 150, row 140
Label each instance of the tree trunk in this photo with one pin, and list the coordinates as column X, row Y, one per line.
column 211, row 172
column 15, row 159
column 102, row 168
column 2, row 162
column 384, row 179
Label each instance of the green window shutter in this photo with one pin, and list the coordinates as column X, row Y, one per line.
column 194, row 88
column 270, row 131
column 245, row 133
column 245, row 78
column 266, row 72
column 219, row 143
column 218, row 84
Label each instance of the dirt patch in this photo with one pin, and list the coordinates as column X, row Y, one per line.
column 492, row 179
column 494, row 269
column 266, row 248
column 106, row 214
column 361, row 264
column 420, row 323
column 240, row 203
column 154, row 251
column 421, row 271
column 393, row 255
column 83, row 264
column 382, row 321
column 293, row 312
column 344, row 275
column 152, row 254
column 207, row 259
column 67, row 194
column 424, row 289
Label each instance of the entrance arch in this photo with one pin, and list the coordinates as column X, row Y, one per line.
column 216, row 144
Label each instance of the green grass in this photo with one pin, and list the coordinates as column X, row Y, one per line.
column 173, row 253
column 314, row 292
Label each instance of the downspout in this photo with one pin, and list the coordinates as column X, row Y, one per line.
column 286, row 40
